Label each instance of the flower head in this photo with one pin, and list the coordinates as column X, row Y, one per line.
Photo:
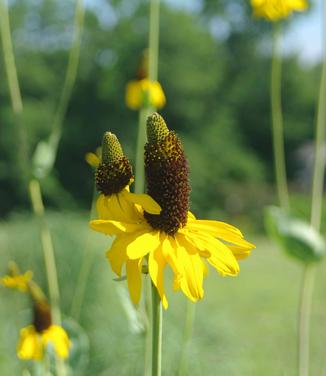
column 174, row 236
column 274, row 10
column 35, row 338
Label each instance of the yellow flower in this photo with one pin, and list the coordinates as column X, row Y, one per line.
column 141, row 93
column 274, row 10
column 32, row 344
column 19, row 281
column 174, row 236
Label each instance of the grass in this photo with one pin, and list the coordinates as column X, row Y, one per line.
column 244, row 326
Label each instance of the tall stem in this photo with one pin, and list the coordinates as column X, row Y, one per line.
column 187, row 333
column 9, row 58
column 70, row 77
column 277, row 120
column 315, row 220
column 48, row 250
column 156, row 333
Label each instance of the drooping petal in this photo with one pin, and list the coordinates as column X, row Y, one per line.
column 133, row 270
column 58, row 338
column 192, row 265
column 121, row 209
column 214, row 227
column 221, row 257
column 30, row 344
column 240, row 253
column 169, row 254
column 144, row 200
column 117, row 253
column 109, row 227
column 156, row 265
column 144, row 243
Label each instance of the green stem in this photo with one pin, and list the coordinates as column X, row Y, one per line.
column 14, row 90
column 48, row 250
column 315, row 220
column 153, row 41
column 304, row 319
column 9, row 58
column 156, row 333
column 187, row 333
column 70, row 77
column 78, row 298
column 277, row 121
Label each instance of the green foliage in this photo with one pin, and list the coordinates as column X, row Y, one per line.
column 217, row 98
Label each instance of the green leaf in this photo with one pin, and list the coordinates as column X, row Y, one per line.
column 296, row 237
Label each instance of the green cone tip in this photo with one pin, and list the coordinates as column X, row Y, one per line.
column 157, row 129
column 111, row 148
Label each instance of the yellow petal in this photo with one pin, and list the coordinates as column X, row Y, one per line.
column 144, row 243
column 58, row 338
column 30, row 345
column 214, row 227
column 117, row 208
column 240, row 253
column 221, row 257
column 117, row 253
column 113, row 227
column 145, row 201
column 156, row 264
column 192, row 265
column 133, row 269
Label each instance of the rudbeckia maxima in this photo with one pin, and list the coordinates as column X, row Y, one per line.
column 173, row 237
column 274, row 10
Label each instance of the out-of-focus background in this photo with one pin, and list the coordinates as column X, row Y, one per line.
column 214, row 67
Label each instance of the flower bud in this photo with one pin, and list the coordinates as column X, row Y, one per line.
column 114, row 172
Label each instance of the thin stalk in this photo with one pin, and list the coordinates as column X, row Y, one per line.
column 78, row 298
column 70, row 77
column 304, row 319
column 156, row 333
column 315, row 220
column 187, row 333
column 14, row 89
column 153, row 40
column 277, row 120
column 48, row 250
column 9, row 58
column 148, row 337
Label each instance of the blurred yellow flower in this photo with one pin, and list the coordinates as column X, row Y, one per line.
column 142, row 93
column 92, row 159
column 19, row 281
column 274, row 10
column 32, row 343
